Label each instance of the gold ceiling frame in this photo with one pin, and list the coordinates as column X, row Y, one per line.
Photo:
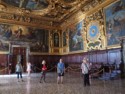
column 23, row 11
column 67, row 13
column 70, row 3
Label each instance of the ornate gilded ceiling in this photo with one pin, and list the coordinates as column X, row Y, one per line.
column 50, row 12
column 47, row 9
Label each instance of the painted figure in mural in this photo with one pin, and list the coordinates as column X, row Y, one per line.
column 1, row 45
column 8, row 33
column 4, row 46
column 43, row 48
column 111, row 35
column 2, row 29
column 115, row 22
column 77, row 39
column 32, row 34
column 64, row 39
column 51, row 41
column 18, row 33
column 36, row 4
column 23, row 3
column 56, row 40
column 28, row 4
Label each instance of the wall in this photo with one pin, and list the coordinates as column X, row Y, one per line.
column 51, row 61
column 99, row 56
column 92, row 16
column 3, row 63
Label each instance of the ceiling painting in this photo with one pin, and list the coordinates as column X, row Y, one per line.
column 28, row 4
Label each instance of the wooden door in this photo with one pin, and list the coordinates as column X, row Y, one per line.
column 18, row 55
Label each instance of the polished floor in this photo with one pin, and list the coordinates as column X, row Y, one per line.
column 73, row 84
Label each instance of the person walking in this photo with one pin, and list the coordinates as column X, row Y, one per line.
column 85, row 66
column 44, row 69
column 60, row 71
column 19, row 70
column 28, row 68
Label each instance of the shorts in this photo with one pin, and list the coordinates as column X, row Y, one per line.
column 61, row 74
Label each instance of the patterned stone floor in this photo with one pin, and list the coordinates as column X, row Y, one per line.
column 73, row 84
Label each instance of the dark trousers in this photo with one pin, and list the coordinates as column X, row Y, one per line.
column 86, row 80
column 43, row 76
column 19, row 74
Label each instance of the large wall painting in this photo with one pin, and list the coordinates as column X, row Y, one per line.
column 115, row 22
column 76, row 38
column 4, row 47
column 18, row 35
column 41, row 41
column 28, row 4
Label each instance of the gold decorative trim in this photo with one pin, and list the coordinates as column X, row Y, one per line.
column 95, row 23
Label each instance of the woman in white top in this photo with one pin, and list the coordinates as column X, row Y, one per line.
column 85, row 66
column 28, row 68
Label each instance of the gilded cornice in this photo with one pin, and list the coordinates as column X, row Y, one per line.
column 23, row 11
column 57, row 15
column 57, row 10
column 91, row 4
column 95, row 5
column 25, row 20
column 77, row 17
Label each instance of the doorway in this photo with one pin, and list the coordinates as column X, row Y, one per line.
column 18, row 54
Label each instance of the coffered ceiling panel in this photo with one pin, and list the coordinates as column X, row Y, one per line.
column 54, row 11
column 29, row 4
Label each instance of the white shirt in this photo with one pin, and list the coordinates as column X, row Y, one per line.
column 28, row 67
column 85, row 68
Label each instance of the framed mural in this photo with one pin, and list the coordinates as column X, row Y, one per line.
column 28, row 4
column 76, row 38
column 56, row 39
column 93, row 36
column 11, row 32
column 93, row 32
column 20, row 35
column 115, row 22
column 41, row 44
column 4, row 47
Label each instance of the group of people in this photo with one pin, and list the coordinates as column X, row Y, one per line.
column 85, row 66
column 60, row 71
column 19, row 70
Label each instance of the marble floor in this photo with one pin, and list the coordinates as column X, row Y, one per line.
column 73, row 84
